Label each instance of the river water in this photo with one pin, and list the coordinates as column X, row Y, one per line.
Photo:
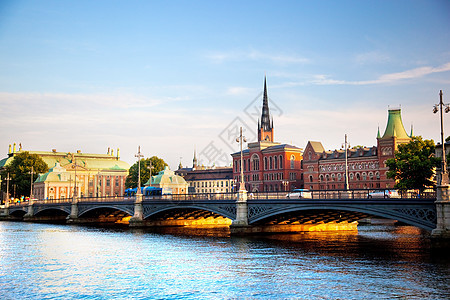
column 44, row 261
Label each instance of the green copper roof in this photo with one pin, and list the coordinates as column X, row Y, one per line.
column 394, row 127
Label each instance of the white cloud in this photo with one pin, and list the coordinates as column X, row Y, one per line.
column 323, row 79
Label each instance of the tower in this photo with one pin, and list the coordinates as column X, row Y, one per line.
column 265, row 128
column 194, row 161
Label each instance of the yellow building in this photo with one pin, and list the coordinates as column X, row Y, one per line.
column 100, row 175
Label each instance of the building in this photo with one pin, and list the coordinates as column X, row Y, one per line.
column 203, row 179
column 268, row 165
column 169, row 182
column 325, row 170
column 96, row 174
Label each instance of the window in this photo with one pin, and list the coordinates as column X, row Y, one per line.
column 281, row 162
column 292, row 161
column 275, row 160
column 310, row 178
column 255, row 162
column 265, row 163
column 107, row 182
column 270, row 163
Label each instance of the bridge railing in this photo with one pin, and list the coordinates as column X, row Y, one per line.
column 276, row 195
column 193, row 197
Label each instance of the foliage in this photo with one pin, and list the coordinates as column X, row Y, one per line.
column 158, row 164
column 19, row 172
column 413, row 164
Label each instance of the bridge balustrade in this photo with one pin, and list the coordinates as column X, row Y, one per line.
column 369, row 194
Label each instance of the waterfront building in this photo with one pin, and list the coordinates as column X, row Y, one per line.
column 95, row 174
column 169, row 182
column 268, row 165
column 325, row 170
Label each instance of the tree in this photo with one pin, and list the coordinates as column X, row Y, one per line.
column 413, row 165
column 19, row 171
column 158, row 164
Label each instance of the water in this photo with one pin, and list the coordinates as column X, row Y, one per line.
column 41, row 261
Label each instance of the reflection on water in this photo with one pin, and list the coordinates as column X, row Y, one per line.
column 39, row 261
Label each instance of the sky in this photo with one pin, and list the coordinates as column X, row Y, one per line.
column 174, row 77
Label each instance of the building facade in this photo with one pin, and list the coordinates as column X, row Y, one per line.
column 169, row 182
column 324, row 170
column 268, row 165
column 202, row 179
column 96, row 175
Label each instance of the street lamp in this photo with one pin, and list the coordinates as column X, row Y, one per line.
column 346, row 145
column 139, row 155
column 150, row 167
column 240, row 139
column 7, row 190
column 436, row 108
column 31, row 184
column 285, row 183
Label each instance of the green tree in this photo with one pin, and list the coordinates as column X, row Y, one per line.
column 413, row 165
column 19, row 171
column 158, row 164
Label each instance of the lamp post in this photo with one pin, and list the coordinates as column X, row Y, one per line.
column 241, row 139
column 139, row 155
column 7, row 190
column 31, row 184
column 346, row 164
column 285, row 184
column 436, row 108
column 150, row 167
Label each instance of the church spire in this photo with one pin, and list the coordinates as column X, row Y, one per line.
column 265, row 116
column 194, row 161
column 265, row 128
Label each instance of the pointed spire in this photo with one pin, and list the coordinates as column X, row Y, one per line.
column 412, row 133
column 265, row 116
column 378, row 134
column 194, row 161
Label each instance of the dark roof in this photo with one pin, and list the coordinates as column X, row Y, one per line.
column 211, row 174
column 280, row 147
column 352, row 153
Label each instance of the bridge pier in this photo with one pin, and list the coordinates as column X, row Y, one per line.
column 138, row 218
column 442, row 231
column 72, row 218
column 240, row 224
column 30, row 212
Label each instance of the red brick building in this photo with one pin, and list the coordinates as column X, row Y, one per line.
column 267, row 165
column 325, row 170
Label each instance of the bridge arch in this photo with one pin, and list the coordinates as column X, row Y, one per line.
column 416, row 216
column 225, row 211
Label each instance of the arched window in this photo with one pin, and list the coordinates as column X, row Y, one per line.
column 292, row 161
column 281, row 161
column 265, row 163
column 275, row 162
column 255, row 162
column 310, row 178
column 270, row 163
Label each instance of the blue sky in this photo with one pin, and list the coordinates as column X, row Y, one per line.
column 183, row 75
